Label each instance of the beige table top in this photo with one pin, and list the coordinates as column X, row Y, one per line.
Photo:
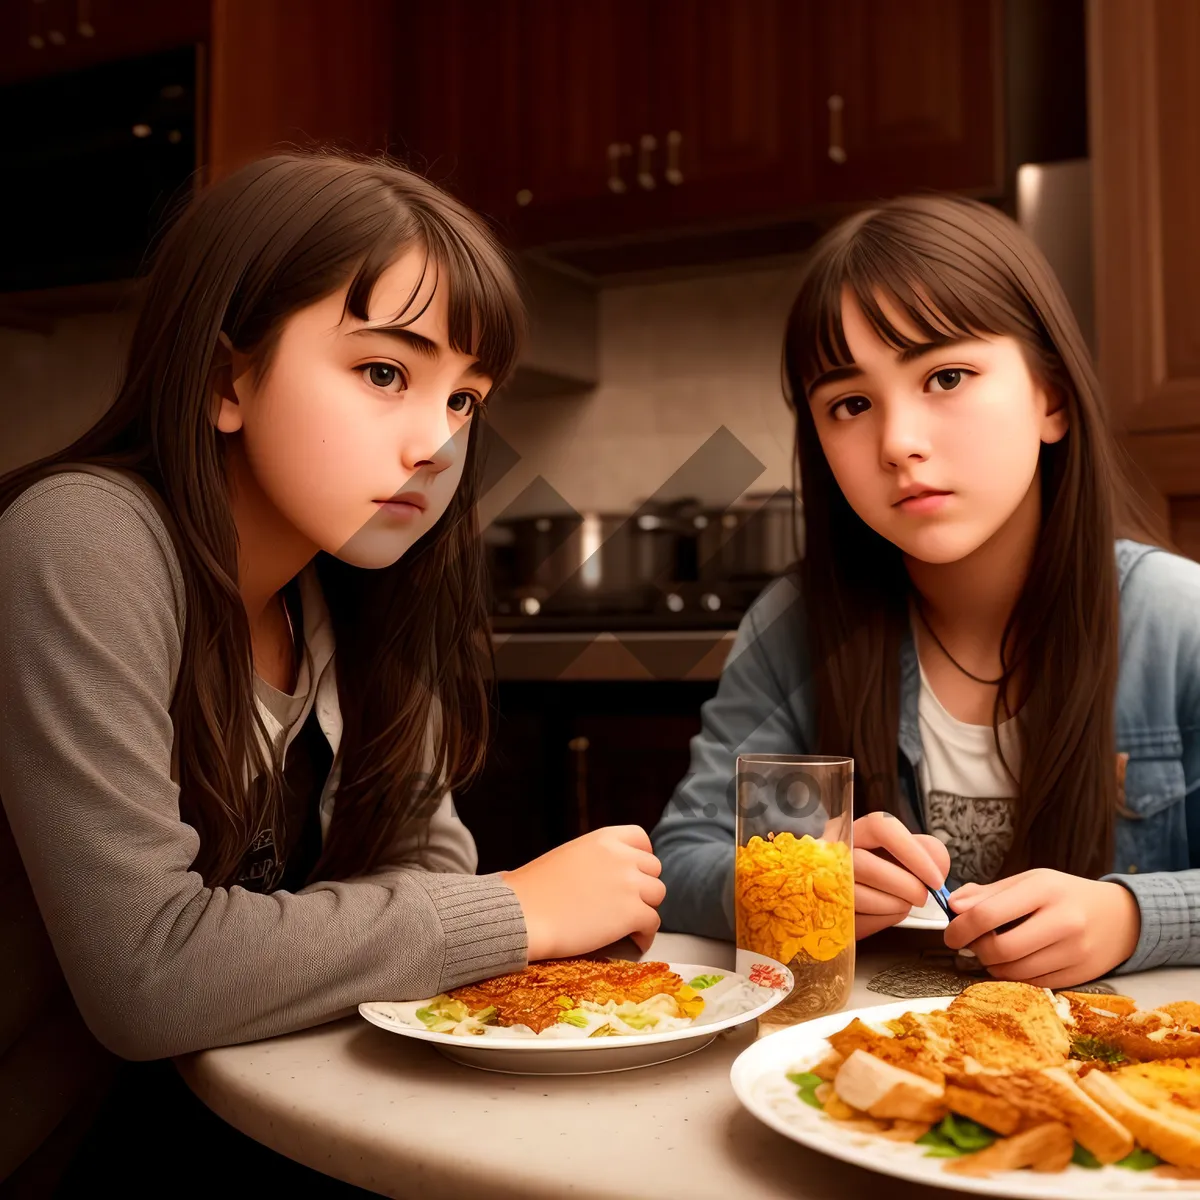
column 391, row 1114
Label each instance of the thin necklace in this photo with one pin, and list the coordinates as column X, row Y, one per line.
column 287, row 612
column 938, row 640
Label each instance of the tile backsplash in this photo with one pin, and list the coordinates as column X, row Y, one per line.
column 679, row 359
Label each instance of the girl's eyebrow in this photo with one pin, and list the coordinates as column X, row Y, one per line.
column 419, row 343
column 921, row 349
column 907, row 355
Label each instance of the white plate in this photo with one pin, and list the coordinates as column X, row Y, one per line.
column 928, row 916
column 731, row 1002
column 759, row 1079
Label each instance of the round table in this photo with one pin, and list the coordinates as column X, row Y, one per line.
column 392, row 1115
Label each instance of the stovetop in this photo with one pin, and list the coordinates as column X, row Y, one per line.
column 689, row 605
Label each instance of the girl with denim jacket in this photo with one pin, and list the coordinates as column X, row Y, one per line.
column 981, row 619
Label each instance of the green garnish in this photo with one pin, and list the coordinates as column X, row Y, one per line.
column 966, row 1135
column 954, row 1136
column 1085, row 1158
column 576, row 1018
column 565, row 1002
column 434, row 1020
column 639, row 1020
column 705, row 981
column 1139, row 1160
column 806, row 1086
column 604, row 1031
column 1090, row 1049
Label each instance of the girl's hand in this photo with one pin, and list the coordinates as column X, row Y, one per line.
column 885, row 891
column 1071, row 930
column 590, row 892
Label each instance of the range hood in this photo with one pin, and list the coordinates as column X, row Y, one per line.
column 561, row 354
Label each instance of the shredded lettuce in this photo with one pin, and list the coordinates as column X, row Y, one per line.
column 1139, row 1160
column 806, row 1086
column 954, row 1136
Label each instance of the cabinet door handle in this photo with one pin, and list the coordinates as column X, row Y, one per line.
column 579, row 748
column 647, row 146
column 616, row 152
column 837, row 140
column 36, row 11
column 673, row 174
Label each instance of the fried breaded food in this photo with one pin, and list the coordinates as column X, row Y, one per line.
column 1143, row 1035
column 1013, row 1059
column 993, row 1112
column 1120, row 1006
column 1169, row 1084
column 530, row 997
column 1046, row 1147
column 883, row 1090
column 1165, row 1131
column 1052, row 1094
column 1008, row 1026
column 911, row 1052
column 1185, row 1012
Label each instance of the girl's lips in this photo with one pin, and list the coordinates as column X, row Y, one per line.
column 403, row 509
column 927, row 502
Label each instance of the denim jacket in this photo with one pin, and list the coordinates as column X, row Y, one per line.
column 765, row 705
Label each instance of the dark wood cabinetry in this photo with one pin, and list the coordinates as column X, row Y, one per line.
column 577, row 125
column 45, row 37
column 569, row 757
column 625, row 118
column 277, row 73
column 1145, row 136
column 907, row 95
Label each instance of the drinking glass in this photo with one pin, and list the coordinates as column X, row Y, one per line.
column 794, row 880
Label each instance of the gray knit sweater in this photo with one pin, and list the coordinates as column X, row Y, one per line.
column 94, row 853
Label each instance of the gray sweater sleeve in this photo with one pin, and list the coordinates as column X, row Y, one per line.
column 158, row 963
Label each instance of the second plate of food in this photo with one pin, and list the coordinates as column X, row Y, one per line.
column 586, row 1016
column 1041, row 1129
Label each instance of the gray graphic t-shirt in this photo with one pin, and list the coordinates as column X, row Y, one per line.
column 968, row 794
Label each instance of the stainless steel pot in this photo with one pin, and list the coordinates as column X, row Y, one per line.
column 598, row 553
column 759, row 536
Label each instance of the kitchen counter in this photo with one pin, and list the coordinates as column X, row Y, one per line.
column 669, row 654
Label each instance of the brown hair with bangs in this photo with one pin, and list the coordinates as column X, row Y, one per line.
column 956, row 267
column 276, row 236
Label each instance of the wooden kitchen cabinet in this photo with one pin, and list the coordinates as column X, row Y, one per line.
column 629, row 763
column 46, row 37
column 584, row 101
column 1145, row 143
column 657, row 116
column 277, row 73
column 636, row 117
column 567, row 757
column 731, row 103
column 290, row 73
column 908, row 95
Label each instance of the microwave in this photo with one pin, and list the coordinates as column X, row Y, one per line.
column 94, row 162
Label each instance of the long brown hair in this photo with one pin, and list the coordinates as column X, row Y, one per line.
column 246, row 253
column 956, row 267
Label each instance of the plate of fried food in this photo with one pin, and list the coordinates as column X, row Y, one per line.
column 580, row 1016
column 1004, row 1090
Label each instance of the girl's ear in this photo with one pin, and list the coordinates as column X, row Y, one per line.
column 226, row 407
column 1055, row 422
